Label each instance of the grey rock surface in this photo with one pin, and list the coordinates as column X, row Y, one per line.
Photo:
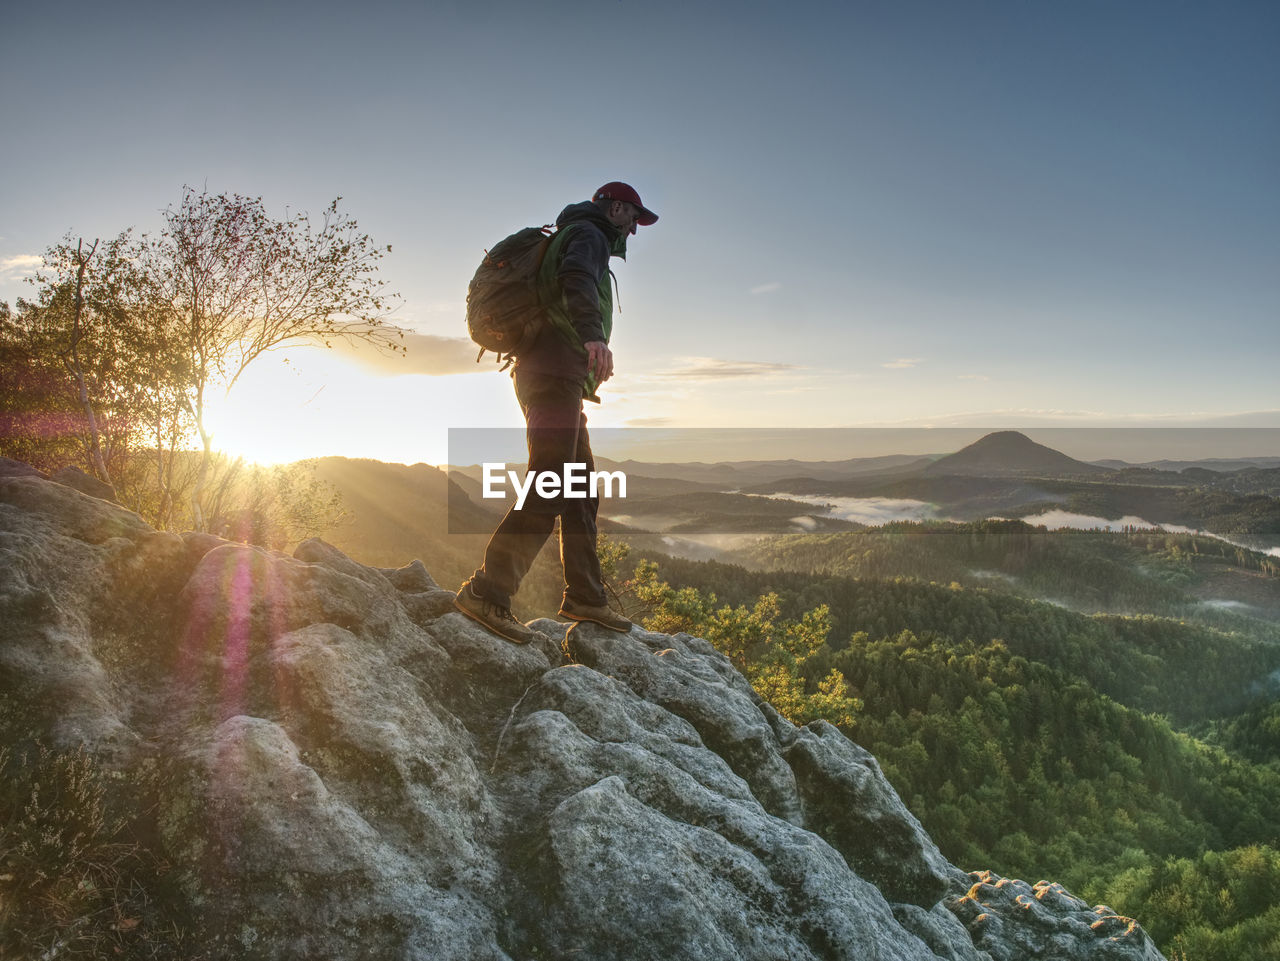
column 941, row 931
column 76, row 478
column 1015, row 921
column 340, row 765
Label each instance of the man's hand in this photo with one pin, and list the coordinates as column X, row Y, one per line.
column 600, row 360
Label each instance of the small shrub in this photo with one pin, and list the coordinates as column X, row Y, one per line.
column 73, row 884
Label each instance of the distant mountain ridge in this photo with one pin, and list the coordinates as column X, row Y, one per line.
column 998, row 454
column 722, row 475
column 743, row 473
column 1008, row 452
column 1217, row 464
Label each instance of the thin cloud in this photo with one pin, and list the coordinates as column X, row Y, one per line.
column 711, row 368
column 802, row 389
column 1021, row 417
column 20, row 265
column 766, row 288
column 650, row 422
column 980, row 377
column 1001, row 418
column 1245, row 418
column 903, row 363
column 423, row 354
column 457, row 308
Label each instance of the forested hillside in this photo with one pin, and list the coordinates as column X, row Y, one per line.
column 1239, row 504
column 1139, row 571
column 1131, row 754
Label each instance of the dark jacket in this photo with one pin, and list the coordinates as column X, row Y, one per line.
column 575, row 287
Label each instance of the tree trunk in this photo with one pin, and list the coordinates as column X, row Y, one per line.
column 77, row 372
column 202, row 474
column 164, row 479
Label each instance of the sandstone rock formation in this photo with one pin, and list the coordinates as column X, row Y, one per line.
column 339, row 765
column 1012, row 920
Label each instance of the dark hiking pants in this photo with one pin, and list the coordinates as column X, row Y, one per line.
column 556, row 432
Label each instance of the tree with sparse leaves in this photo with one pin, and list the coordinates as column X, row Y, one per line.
column 92, row 366
column 39, row 424
column 242, row 283
column 112, row 366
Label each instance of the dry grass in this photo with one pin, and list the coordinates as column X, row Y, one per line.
column 74, row 883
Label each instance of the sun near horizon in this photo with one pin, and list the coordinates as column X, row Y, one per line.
column 319, row 403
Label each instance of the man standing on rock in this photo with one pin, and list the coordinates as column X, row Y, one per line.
column 567, row 362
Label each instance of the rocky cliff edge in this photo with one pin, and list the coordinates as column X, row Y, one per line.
column 339, row 765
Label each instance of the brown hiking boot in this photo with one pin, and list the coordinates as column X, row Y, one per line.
column 493, row 616
column 602, row 615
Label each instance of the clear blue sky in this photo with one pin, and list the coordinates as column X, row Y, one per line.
column 950, row 213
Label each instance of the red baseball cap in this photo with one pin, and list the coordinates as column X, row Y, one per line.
column 627, row 194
